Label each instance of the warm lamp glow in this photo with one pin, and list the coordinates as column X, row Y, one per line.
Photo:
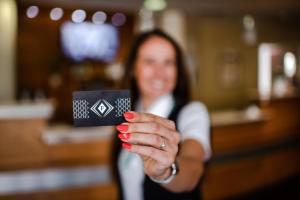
column 155, row 5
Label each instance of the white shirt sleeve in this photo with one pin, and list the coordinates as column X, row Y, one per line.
column 193, row 123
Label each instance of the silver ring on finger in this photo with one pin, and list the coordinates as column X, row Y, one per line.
column 163, row 143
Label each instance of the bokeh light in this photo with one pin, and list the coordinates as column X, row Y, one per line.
column 56, row 14
column 289, row 61
column 249, row 22
column 32, row 11
column 99, row 17
column 78, row 16
column 118, row 19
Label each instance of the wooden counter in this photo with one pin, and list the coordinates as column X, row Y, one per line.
column 250, row 156
column 21, row 126
column 246, row 156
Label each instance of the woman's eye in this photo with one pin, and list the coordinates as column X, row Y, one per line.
column 170, row 63
column 148, row 61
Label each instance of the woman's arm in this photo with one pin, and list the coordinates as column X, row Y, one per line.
column 144, row 135
column 190, row 162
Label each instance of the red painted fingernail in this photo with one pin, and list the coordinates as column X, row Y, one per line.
column 128, row 115
column 122, row 127
column 123, row 136
column 126, row 136
column 126, row 146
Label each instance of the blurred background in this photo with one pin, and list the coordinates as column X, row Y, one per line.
column 243, row 57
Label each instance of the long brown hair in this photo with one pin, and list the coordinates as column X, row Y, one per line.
column 181, row 91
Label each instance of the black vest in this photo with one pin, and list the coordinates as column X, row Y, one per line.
column 153, row 190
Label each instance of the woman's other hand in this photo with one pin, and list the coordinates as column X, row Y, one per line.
column 154, row 138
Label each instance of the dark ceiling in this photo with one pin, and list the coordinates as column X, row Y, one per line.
column 199, row 7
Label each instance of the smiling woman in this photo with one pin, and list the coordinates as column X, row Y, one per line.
column 155, row 69
column 167, row 131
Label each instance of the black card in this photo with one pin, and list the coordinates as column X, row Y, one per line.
column 100, row 108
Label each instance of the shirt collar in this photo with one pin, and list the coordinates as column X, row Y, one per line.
column 162, row 106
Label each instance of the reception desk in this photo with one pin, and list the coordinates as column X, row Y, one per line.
column 252, row 149
column 21, row 126
column 252, row 155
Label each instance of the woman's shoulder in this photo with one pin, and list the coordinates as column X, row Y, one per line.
column 194, row 107
column 194, row 123
column 193, row 112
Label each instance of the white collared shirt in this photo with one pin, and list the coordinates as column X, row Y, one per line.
column 192, row 123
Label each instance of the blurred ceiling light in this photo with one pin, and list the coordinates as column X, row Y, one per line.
column 249, row 22
column 118, row 19
column 56, row 14
column 78, row 16
column 32, row 11
column 155, row 5
column 249, row 35
column 146, row 21
column 99, row 17
column 289, row 61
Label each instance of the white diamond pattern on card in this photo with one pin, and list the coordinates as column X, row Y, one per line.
column 80, row 108
column 102, row 108
column 123, row 105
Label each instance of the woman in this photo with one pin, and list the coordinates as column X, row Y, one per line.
column 148, row 161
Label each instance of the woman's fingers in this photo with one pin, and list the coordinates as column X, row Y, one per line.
column 146, row 117
column 150, row 128
column 162, row 157
column 149, row 140
column 154, row 138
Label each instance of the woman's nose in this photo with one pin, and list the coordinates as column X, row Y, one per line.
column 158, row 70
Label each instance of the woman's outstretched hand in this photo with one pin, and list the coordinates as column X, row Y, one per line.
column 154, row 138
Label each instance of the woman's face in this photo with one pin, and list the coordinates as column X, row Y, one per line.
column 155, row 67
